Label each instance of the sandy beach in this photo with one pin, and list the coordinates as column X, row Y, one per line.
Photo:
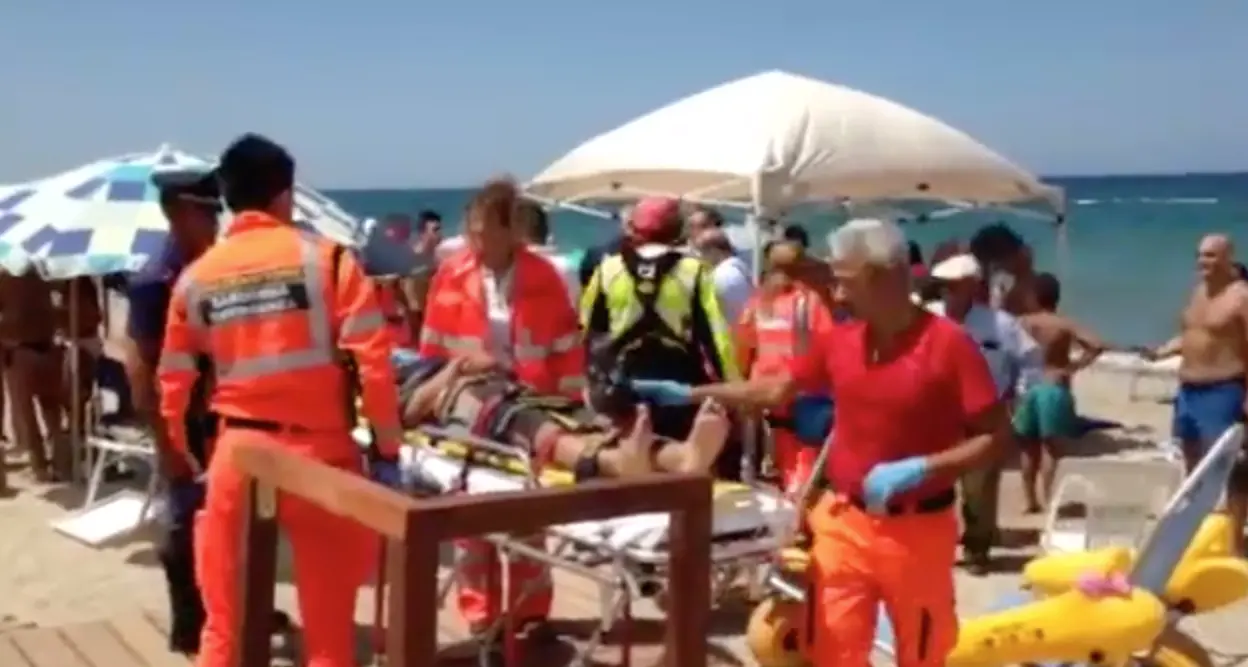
column 47, row 579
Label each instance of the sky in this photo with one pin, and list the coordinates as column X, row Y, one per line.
column 382, row 93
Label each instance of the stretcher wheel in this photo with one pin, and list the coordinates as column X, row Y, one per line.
column 776, row 633
column 1176, row 648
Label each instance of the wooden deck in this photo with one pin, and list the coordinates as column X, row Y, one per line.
column 133, row 640
column 138, row 638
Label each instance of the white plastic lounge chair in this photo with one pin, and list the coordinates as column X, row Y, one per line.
column 1137, row 369
column 101, row 520
column 1121, row 497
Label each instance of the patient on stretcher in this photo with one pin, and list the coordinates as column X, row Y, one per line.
column 489, row 404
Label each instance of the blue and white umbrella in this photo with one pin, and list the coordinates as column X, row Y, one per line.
column 105, row 217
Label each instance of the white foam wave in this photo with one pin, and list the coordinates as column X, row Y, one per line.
column 1168, row 201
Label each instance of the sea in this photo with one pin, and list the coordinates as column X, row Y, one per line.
column 1127, row 261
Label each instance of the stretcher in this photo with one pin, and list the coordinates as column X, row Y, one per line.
column 625, row 556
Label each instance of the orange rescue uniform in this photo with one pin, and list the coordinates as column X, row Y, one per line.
column 547, row 354
column 919, row 402
column 774, row 335
column 274, row 310
column 388, row 299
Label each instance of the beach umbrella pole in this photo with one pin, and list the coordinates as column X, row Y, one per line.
column 75, row 391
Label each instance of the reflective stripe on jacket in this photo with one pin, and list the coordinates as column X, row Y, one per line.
column 389, row 298
column 264, row 307
column 775, row 332
column 546, row 342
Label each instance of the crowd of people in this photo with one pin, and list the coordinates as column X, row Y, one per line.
column 43, row 325
column 662, row 354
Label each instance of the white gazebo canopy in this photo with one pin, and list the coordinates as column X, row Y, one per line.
column 776, row 139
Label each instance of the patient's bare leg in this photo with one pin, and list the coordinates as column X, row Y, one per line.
column 697, row 453
column 628, row 458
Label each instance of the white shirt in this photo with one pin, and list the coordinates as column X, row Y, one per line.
column 1012, row 354
column 733, row 286
column 566, row 269
column 498, row 314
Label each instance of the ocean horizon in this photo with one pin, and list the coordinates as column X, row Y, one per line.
column 1129, row 262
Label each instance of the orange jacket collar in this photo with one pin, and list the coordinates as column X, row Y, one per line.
column 249, row 220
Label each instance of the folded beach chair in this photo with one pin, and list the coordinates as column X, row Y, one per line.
column 113, row 439
column 1120, row 500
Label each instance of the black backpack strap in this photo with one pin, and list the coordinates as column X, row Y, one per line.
column 648, row 274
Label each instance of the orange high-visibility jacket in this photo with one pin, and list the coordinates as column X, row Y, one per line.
column 545, row 336
column 775, row 333
column 265, row 309
column 388, row 299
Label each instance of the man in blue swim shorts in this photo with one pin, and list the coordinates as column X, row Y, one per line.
column 1212, row 348
column 1044, row 416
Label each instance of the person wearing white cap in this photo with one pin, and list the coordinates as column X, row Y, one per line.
column 1015, row 361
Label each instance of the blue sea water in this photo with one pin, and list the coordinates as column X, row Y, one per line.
column 1130, row 253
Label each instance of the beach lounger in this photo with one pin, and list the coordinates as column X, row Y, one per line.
column 627, row 555
column 1120, row 500
column 1137, row 368
column 111, row 442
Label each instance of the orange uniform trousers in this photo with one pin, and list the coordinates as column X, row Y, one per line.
column 333, row 556
column 861, row 560
column 794, row 460
column 479, row 576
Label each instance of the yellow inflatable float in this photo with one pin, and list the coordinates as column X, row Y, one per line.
column 1055, row 626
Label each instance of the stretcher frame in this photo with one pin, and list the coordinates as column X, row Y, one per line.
column 623, row 575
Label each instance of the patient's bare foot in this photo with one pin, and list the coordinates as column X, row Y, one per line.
column 634, row 448
column 706, row 438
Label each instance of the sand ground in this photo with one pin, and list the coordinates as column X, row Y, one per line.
column 47, row 579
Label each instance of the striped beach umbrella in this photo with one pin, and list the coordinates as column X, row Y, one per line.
column 105, row 217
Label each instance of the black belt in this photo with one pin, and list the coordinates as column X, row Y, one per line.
column 264, row 425
column 930, row 505
column 774, row 421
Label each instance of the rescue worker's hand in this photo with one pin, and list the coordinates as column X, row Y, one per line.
column 812, row 418
column 385, row 472
column 889, row 479
column 663, row 392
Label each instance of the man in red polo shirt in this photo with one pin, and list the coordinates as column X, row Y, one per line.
column 915, row 408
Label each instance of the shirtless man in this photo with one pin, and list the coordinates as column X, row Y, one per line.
column 1044, row 416
column 1213, row 346
column 33, row 372
column 457, row 392
column 78, row 319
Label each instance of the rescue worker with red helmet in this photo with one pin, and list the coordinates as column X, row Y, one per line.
column 273, row 310
column 656, row 309
column 498, row 299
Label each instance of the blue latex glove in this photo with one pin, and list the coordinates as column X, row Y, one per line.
column 889, row 479
column 812, row 418
column 663, row 392
column 386, row 473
